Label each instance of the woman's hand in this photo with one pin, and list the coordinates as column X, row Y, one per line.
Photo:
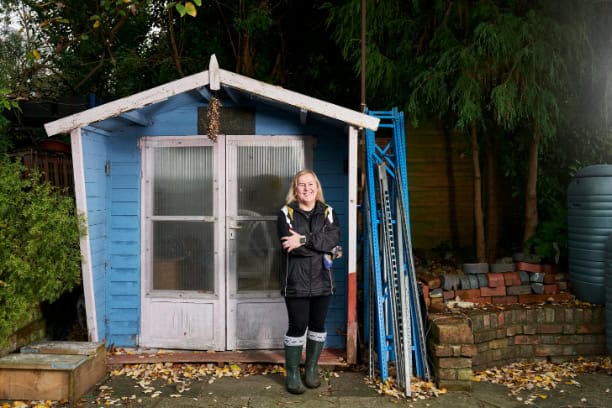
column 292, row 241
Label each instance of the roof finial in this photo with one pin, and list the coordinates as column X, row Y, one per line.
column 214, row 77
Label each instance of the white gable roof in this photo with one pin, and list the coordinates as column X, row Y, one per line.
column 214, row 77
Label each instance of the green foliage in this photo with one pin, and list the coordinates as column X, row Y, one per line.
column 507, row 66
column 185, row 7
column 39, row 244
column 6, row 103
column 550, row 240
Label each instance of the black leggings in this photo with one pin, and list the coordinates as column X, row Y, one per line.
column 306, row 312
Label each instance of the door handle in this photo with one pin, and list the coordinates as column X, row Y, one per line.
column 235, row 224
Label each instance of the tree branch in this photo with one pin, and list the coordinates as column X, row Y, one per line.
column 175, row 52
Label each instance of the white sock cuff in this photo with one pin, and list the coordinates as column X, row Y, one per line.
column 316, row 336
column 293, row 341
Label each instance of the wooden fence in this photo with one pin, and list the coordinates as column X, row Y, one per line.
column 55, row 166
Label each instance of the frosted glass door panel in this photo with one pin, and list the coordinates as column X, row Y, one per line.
column 181, row 258
column 264, row 176
column 264, row 173
column 183, row 181
column 183, row 222
column 258, row 256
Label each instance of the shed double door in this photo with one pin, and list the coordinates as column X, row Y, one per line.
column 210, row 256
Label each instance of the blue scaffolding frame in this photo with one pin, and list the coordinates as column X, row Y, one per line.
column 391, row 295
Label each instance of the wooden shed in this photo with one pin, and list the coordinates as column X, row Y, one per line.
column 181, row 249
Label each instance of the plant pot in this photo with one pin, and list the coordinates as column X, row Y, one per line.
column 55, row 146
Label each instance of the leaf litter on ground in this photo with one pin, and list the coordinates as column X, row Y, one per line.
column 535, row 378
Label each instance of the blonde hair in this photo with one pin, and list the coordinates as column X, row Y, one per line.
column 291, row 194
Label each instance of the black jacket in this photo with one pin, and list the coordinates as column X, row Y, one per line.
column 303, row 272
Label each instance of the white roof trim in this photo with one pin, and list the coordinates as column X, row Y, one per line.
column 192, row 82
column 280, row 94
column 115, row 108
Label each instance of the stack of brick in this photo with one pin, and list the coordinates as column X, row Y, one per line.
column 477, row 339
column 523, row 283
column 452, row 349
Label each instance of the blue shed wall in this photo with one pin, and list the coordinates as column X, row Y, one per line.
column 95, row 154
column 122, row 311
column 123, row 296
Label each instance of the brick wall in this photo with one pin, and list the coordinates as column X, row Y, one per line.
column 31, row 331
column 523, row 283
column 475, row 339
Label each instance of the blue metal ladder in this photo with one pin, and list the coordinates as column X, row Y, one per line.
column 395, row 322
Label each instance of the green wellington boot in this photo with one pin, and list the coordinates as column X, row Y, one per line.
column 293, row 356
column 313, row 352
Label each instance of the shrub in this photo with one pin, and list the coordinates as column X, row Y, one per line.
column 39, row 244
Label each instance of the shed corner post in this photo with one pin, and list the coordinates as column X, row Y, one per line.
column 351, row 328
column 78, row 169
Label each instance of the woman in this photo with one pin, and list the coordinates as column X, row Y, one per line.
column 309, row 233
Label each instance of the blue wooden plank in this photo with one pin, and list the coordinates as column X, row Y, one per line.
column 96, row 217
column 94, row 156
column 335, row 178
column 96, row 231
column 126, row 181
column 124, row 168
column 125, row 222
column 181, row 121
column 124, row 301
column 123, row 328
column 338, row 325
column 124, row 275
column 123, row 248
column 101, row 327
column 274, row 122
column 98, row 259
column 124, row 315
column 337, row 304
column 125, row 148
column 94, row 176
column 126, row 235
column 126, row 261
column 331, row 156
column 125, row 208
column 122, row 341
column 129, row 288
column 335, row 194
column 129, row 192
column 96, row 203
column 337, row 342
column 340, row 279
column 339, row 266
column 126, row 139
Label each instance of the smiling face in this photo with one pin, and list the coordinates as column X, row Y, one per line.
column 306, row 191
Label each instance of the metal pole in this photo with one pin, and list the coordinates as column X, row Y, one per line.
column 363, row 55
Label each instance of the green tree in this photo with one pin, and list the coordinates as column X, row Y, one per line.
column 39, row 244
column 117, row 48
column 483, row 67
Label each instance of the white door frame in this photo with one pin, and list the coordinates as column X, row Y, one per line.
column 173, row 318
column 189, row 319
column 244, row 308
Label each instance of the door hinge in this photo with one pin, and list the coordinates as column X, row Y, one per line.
column 107, row 168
